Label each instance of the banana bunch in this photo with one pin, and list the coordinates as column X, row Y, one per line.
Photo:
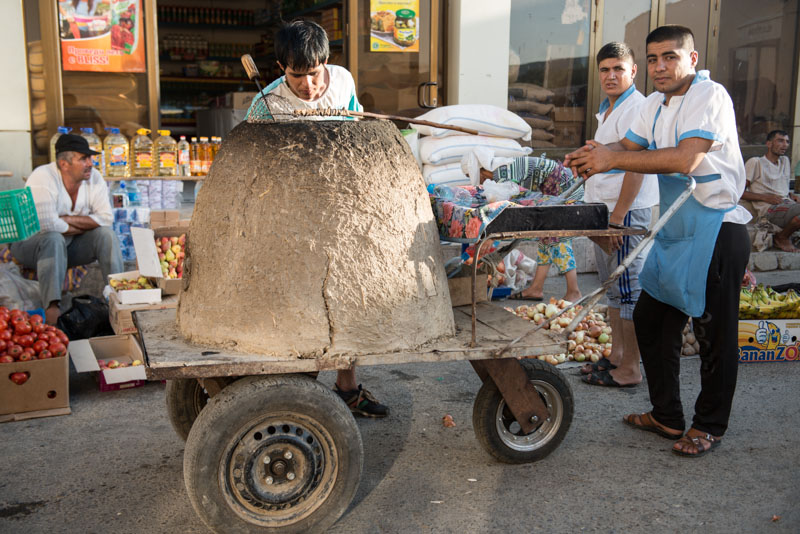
column 766, row 303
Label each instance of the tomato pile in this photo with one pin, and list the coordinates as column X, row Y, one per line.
column 25, row 337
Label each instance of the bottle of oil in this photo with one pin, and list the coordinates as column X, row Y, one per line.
column 215, row 144
column 98, row 161
column 61, row 131
column 165, row 150
column 184, row 157
column 117, row 153
column 142, row 153
column 194, row 158
column 204, row 152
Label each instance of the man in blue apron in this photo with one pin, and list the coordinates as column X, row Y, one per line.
column 698, row 259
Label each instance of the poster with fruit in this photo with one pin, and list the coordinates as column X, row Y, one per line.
column 101, row 35
column 393, row 26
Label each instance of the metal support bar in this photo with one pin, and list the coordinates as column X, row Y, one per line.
column 521, row 397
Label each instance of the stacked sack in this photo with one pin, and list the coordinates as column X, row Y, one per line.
column 441, row 151
column 533, row 103
column 38, row 106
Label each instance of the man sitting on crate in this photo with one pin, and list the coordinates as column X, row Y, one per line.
column 72, row 202
column 302, row 51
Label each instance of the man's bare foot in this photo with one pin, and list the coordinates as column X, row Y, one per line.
column 783, row 243
column 573, row 297
column 51, row 314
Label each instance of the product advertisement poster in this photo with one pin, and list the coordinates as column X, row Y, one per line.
column 101, row 35
column 394, row 25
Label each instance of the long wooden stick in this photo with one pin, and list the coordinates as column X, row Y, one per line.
column 414, row 121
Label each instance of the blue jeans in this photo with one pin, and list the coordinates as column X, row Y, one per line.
column 51, row 253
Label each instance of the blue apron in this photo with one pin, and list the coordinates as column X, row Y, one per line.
column 676, row 270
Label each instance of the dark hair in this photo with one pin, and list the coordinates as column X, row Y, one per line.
column 615, row 50
column 672, row 32
column 301, row 45
column 773, row 133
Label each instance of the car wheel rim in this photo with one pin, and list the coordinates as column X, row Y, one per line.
column 510, row 431
column 279, row 470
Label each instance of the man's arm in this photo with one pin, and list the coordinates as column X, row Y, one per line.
column 760, row 197
column 682, row 159
column 78, row 224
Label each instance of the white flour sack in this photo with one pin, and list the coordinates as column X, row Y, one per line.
column 451, row 149
column 450, row 174
column 486, row 119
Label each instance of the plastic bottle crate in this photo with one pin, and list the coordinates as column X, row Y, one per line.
column 18, row 219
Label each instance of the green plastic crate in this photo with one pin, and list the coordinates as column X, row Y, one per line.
column 18, row 219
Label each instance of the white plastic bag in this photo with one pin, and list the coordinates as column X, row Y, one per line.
column 520, row 270
column 17, row 291
column 497, row 191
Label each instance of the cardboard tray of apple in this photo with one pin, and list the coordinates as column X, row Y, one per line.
column 171, row 252
column 126, row 284
column 25, row 337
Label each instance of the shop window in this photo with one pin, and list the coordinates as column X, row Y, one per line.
column 694, row 15
column 756, row 63
column 628, row 21
column 548, row 69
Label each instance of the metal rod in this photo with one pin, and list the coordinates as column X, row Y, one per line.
column 592, row 298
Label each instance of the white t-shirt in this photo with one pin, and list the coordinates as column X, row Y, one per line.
column 52, row 199
column 767, row 178
column 605, row 187
column 340, row 94
column 705, row 111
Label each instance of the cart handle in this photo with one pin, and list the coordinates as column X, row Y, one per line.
column 590, row 300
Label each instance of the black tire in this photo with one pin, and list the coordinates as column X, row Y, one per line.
column 186, row 398
column 499, row 433
column 273, row 454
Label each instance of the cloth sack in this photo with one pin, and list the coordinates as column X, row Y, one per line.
column 451, row 149
column 449, row 174
column 486, row 119
column 530, row 106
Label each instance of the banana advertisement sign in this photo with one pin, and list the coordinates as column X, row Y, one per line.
column 394, row 26
column 101, row 35
column 769, row 340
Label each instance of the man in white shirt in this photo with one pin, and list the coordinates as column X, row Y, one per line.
column 74, row 211
column 698, row 259
column 302, row 51
column 630, row 198
column 768, row 189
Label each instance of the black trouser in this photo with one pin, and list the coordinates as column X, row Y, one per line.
column 658, row 331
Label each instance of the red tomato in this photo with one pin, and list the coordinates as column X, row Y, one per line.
column 40, row 345
column 50, row 328
column 3, row 323
column 44, row 336
column 3, row 345
column 37, row 328
column 14, row 351
column 26, row 340
column 5, row 335
column 58, row 349
column 3, row 309
column 15, row 339
column 19, row 378
column 36, row 319
column 25, row 357
column 5, row 358
column 22, row 327
column 64, row 339
column 45, row 354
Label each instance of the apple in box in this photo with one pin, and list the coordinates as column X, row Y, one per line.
column 162, row 252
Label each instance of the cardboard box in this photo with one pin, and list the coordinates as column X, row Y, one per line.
column 46, row 392
column 120, row 315
column 239, row 99
column 769, row 340
column 136, row 296
column 461, row 290
column 162, row 218
column 170, row 286
column 570, row 114
column 125, row 349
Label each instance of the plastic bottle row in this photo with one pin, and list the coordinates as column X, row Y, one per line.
column 143, row 157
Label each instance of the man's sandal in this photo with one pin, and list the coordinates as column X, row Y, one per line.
column 696, row 442
column 603, row 364
column 646, row 422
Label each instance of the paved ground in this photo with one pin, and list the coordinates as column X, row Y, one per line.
column 116, row 465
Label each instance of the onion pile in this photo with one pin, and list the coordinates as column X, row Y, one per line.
column 590, row 341
column 689, row 345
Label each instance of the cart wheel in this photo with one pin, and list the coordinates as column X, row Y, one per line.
column 185, row 399
column 499, row 432
column 273, row 454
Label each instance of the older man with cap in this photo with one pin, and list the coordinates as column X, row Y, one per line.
column 72, row 202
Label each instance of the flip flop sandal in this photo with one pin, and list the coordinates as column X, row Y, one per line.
column 604, row 378
column 648, row 424
column 603, row 364
column 688, row 440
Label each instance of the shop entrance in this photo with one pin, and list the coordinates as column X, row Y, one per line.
column 396, row 54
